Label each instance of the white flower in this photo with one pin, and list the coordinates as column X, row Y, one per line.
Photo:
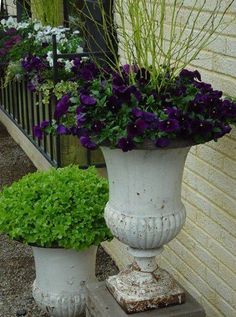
column 79, row 50
column 3, row 22
column 49, row 58
column 68, row 65
column 37, row 26
column 76, row 32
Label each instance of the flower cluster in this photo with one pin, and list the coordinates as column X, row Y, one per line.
column 124, row 110
column 28, row 47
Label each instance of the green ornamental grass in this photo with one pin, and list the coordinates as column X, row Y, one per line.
column 57, row 208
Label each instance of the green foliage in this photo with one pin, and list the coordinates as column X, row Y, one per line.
column 57, row 208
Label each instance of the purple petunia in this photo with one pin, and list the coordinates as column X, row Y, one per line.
column 125, row 144
column 162, row 142
column 88, row 143
column 169, row 125
column 137, row 128
column 61, row 129
column 38, row 132
column 87, row 100
column 62, row 107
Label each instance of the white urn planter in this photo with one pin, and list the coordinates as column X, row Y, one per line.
column 61, row 275
column 145, row 212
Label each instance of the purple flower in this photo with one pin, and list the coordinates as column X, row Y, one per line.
column 88, row 71
column 38, row 132
column 44, row 124
column 32, row 63
column 87, row 100
column 137, row 128
column 203, row 87
column 62, row 107
column 61, row 129
column 125, row 144
column 123, row 92
column 11, row 31
column 31, row 86
column 201, row 127
column 190, row 75
column 97, row 126
column 114, row 104
column 81, row 118
column 3, row 51
column 169, row 125
column 88, row 143
column 129, row 68
column 162, row 142
column 172, row 112
column 228, row 109
column 223, row 129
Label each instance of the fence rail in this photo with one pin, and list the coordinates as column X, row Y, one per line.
column 25, row 109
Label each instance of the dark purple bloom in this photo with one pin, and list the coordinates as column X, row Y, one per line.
column 61, row 129
column 222, row 130
column 169, row 125
column 129, row 68
column 32, row 63
column 97, row 126
column 228, row 109
column 137, row 113
column 88, row 143
column 38, row 132
column 191, row 75
column 162, row 142
column 31, row 86
column 3, row 51
column 143, row 76
column 117, row 80
column 11, row 31
column 201, row 127
column 114, row 104
column 172, row 112
column 87, row 100
column 203, row 87
column 81, row 118
column 62, row 107
column 88, row 71
column 44, row 124
column 125, row 144
column 137, row 128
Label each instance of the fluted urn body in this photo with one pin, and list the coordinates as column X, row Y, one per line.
column 145, row 212
column 61, row 275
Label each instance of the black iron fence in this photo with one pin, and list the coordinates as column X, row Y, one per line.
column 25, row 109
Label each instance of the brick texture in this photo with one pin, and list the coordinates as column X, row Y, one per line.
column 203, row 256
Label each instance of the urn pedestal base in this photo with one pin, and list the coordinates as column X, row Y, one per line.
column 138, row 291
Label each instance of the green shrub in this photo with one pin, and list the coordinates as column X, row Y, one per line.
column 57, row 208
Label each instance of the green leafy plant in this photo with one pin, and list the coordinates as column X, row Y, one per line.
column 57, row 208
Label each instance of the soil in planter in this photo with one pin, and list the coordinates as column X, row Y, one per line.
column 17, row 271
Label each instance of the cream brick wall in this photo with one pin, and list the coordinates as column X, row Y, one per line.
column 203, row 256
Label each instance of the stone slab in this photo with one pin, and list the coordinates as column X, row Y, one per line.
column 100, row 303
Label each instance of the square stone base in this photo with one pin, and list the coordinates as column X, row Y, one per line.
column 100, row 303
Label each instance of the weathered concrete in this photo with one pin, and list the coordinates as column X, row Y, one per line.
column 100, row 303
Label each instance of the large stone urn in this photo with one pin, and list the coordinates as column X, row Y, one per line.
column 145, row 212
column 61, row 275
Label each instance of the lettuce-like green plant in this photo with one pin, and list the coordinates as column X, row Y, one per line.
column 57, row 208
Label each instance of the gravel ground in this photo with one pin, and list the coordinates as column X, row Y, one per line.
column 17, row 270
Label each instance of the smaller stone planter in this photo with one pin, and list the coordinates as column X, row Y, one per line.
column 61, row 275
